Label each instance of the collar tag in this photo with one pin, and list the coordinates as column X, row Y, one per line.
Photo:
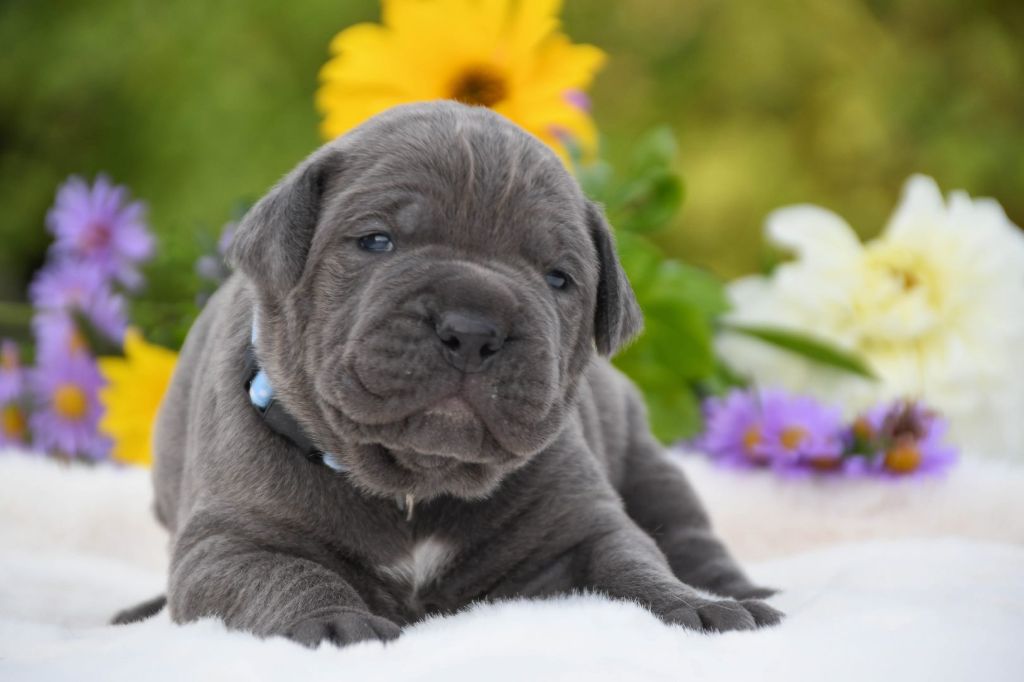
column 260, row 391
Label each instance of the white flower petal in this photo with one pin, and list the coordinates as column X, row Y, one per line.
column 814, row 233
column 934, row 305
column 921, row 207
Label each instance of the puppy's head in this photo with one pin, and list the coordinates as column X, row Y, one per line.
column 431, row 286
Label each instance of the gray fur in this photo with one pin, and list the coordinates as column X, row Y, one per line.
column 548, row 482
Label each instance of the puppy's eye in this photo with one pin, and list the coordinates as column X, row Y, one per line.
column 378, row 242
column 557, row 279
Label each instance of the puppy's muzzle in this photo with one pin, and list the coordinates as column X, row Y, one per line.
column 468, row 340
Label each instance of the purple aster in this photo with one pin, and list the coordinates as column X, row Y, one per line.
column 227, row 235
column 773, row 428
column 57, row 336
column 68, row 286
column 904, row 438
column 107, row 314
column 68, row 412
column 13, row 425
column 209, row 268
column 101, row 226
column 213, row 267
column 12, row 375
column 800, row 431
column 577, row 98
column 734, row 426
column 65, row 285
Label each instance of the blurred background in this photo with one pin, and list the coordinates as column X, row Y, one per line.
column 200, row 106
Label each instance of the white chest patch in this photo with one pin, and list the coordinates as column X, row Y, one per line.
column 422, row 565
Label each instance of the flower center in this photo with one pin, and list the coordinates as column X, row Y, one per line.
column 792, row 436
column 907, row 279
column 902, row 298
column 751, row 439
column 77, row 342
column 862, row 430
column 824, row 463
column 97, row 237
column 903, row 458
column 12, row 422
column 480, row 85
column 69, row 401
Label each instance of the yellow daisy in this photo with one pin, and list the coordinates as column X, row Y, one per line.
column 503, row 54
column 135, row 386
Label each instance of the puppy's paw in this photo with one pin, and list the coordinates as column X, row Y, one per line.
column 763, row 614
column 346, row 627
column 723, row 615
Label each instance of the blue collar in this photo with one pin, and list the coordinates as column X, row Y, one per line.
column 281, row 422
column 274, row 414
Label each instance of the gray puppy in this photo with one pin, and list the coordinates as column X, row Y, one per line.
column 423, row 297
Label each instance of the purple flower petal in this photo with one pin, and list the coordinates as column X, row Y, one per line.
column 577, row 98
column 68, row 410
column 68, row 286
column 102, row 227
column 12, row 374
column 905, row 438
column 797, row 435
column 56, row 336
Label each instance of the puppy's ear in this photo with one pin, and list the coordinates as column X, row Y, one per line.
column 617, row 318
column 271, row 243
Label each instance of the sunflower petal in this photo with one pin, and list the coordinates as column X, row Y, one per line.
column 422, row 49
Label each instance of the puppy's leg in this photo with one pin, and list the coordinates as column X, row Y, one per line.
column 621, row 560
column 216, row 570
column 660, row 500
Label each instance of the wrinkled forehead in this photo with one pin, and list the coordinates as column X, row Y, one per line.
column 477, row 182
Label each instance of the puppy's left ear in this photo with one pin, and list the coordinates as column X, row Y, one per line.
column 617, row 317
column 272, row 242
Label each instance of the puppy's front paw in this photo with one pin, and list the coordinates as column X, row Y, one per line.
column 346, row 627
column 723, row 615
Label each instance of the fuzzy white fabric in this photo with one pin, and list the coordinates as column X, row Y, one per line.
column 902, row 580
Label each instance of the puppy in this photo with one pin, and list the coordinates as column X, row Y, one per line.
column 400, row 404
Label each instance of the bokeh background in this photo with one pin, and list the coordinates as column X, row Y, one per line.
column 200, row 106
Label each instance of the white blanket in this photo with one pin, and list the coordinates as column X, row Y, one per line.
column 909, row 580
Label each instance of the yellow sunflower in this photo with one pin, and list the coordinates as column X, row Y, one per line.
column 504, row 54
column 135, row 386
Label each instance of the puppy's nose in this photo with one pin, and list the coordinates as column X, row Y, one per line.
column 468, row 341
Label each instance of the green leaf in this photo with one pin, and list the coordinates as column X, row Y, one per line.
column 596, row 180
column 670, row 351
column 680, row 303
column 655, row 150
column 808, row 346
column 688, row 284
column 648, row 203
column 675, row 415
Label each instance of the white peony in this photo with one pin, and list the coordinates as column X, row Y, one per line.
column 935, row 305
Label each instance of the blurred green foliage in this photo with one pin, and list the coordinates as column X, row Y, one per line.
column 200, row 105
column 673, row 361
column 831, row 102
